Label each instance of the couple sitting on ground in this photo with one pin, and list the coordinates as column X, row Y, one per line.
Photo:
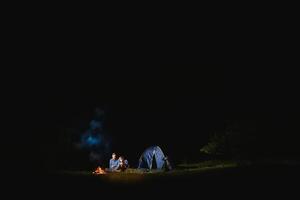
column 118, row 164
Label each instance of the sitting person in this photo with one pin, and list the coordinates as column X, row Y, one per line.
column 113, row 163
column 123, row 164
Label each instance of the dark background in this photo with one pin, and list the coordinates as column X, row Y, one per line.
column 174, row 106
column 218, row 68
column 157, row 90
column 167, row 106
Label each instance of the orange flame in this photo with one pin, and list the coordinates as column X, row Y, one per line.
column 99, row 171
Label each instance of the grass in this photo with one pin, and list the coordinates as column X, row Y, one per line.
column 201, row 166
column 136, row 175
column 186, row 180
column 211, row 164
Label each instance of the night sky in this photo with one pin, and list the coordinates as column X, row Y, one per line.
column 174, row 106
column 171, row 85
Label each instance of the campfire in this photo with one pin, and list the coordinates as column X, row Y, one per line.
column 99, row 170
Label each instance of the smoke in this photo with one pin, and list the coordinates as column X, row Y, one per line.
column 95, row 140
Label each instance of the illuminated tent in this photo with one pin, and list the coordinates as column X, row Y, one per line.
column 152, row 158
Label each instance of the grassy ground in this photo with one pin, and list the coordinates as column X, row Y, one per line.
column 181, row 170
column 216, row 179
column 133, row 175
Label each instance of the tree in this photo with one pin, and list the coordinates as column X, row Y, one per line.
column 236, row 140
column 216, row 145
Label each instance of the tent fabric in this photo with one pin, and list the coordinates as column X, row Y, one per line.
column 147, row 158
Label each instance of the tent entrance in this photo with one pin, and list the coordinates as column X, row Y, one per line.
column 154, row 164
